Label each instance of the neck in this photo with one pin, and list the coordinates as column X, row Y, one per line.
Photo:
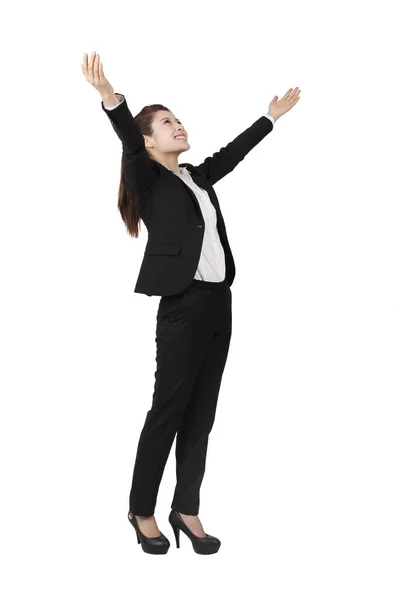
column 170, row 161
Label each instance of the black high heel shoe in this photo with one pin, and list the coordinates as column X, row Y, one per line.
column 201, row 545
column 151, row 545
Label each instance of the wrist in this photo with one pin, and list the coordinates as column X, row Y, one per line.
column 271, row 114
column 109, row 98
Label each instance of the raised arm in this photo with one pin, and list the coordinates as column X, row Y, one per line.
column 221, row 163
column 137, row 173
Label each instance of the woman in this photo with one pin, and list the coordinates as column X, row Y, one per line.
column 189, row 264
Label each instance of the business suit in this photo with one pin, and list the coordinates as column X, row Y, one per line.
column 194, row 319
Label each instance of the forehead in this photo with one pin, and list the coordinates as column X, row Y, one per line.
column 164, row 114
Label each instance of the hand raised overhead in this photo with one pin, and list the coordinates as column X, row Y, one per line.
column 92, row 69
column 277, row 108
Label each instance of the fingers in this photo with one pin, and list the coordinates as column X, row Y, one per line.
column 292, row 94
column 91, row 61
column 96, row 67
column 101, row 72
column 85, row 65
column 92, row 67
column 295, row 96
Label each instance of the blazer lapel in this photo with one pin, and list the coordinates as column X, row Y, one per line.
column 203, row 183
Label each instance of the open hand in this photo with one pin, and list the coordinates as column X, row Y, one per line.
column 93, row 71
column 277, row 108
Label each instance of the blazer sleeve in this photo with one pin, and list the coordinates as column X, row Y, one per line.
column 221, row 163
column 137, row 173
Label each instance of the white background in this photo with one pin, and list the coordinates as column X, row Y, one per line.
column 302, row 477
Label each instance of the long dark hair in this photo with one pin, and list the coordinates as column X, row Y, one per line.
column 126, row 202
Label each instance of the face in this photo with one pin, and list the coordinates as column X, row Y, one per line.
column 166, row 129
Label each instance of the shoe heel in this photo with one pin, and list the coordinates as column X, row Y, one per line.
column 201, row 545
column 151, row 545
column 176, row 531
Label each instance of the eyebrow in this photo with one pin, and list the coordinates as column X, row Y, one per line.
column 168, row 118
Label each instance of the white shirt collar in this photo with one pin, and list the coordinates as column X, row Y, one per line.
column 182, row 170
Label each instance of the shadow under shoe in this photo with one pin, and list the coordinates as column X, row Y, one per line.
column 151, row 545
column 201, row 545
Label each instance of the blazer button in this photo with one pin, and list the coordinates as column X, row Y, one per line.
column 199, row 225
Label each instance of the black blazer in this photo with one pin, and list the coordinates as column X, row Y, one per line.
column 169, row 208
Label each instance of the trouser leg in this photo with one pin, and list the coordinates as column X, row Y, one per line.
column 182, row 335
column 198, row 418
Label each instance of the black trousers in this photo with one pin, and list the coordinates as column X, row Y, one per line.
column 192, row 335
